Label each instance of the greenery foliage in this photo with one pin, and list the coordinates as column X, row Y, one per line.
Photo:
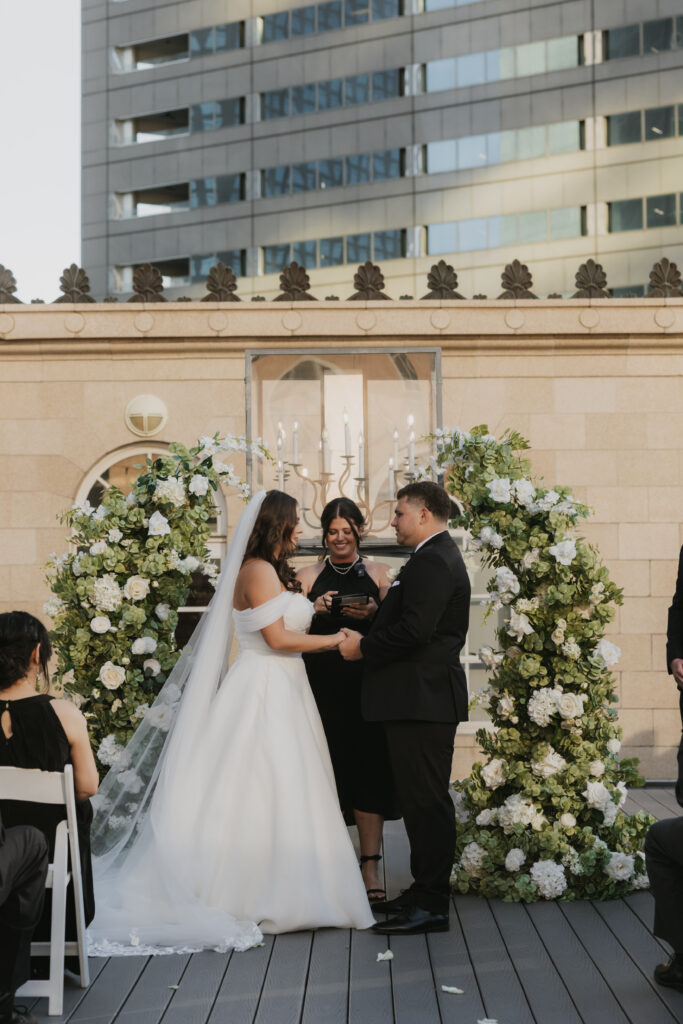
column 542, row 816
column 117, row 592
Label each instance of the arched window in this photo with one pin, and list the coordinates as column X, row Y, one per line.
column 120, row 468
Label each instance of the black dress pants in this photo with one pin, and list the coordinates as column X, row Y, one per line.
column 23, row 869
column 421, row 754
column 664, row 860
column 679, row 780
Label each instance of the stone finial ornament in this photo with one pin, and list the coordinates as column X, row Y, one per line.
column 442, row 282
column 368, row 282
column 8, row 285
column 665, row 280
column 294, row 285
column 591, row 281
column 75, row 285
column 221, row 285
column 516, row 281
column 148, row 284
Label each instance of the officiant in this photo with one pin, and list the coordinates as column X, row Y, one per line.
column 357, row 748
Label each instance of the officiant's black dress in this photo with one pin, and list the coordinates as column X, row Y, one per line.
column 358, row 748
column 38, row 740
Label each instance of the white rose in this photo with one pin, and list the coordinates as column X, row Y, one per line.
column 100, row 624
column 171, row 490
column 489, row 657
column 131, row 499
column 596, row 768
column 472, row 859
column 198, row 484
column 564, row 552
column 136, row 588
column 116, row 704
column 524, row 491
column 530, row 558
column 461, row 813
column 493, row 773
column 158, row 525
column 551, row 764
column 506, row 706
column 153, row 665
column 548, row 500
column 486, row 817
column 144, row 645
column 609, row 652
column 519, row 625
column 597, row 795
column 506, row 582
column 514, row 859
column 570, row 705
column 111, row 675
column 614, row 746
column 114, row 535
column 538, row 822
column 499, row 489
column 162, row 611
column 620, row 867
column 159, row 716
column 189, row 563
column 567, row 820
column 53, row 606
column 98, row 548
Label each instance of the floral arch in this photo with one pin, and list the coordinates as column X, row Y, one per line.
column 543, row 816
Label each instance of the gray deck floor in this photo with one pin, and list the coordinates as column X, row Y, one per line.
column 547, row 963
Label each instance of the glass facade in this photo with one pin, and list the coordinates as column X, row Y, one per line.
column 336, row 92
column 653, row 212
column 503, row 230
column 645, row 125
column 496, row 65
column 646, row 38
column 502, row 147
column 332, row 252
column 333, row 173
column 326, row 17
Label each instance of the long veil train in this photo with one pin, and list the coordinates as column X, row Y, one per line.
column 143, row 836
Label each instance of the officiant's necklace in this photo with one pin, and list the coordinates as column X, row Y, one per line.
column 347, row 569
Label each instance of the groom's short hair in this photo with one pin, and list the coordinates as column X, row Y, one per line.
column 432, row 496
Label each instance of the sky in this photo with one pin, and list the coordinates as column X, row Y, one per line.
column 40, row 142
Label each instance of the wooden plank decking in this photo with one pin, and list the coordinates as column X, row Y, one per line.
column 547, row 963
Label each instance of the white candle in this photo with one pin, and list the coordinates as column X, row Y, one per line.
column 304, row 474
column 392, row 479
column 347, row 436
column 279, row 446
column 411, row 420
column 396, row 462
column 280, row 475
column 411, row 452
column 361, row 456
column 320, row 457
column 295, row 444
column 326, row 450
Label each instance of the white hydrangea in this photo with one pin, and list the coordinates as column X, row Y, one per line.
column 153, row 665
column 111, row 675
column 130, row 780
column 573, row 861
column 564, row 552
column 84, row 509
column 109, row 750
column 144, row 645
column 519, row 625
column 492, row 659
column 100, row 624
column 551, row 764
column 76, row 567
column 100, row 513
column 640, row 881
column 486, row 817
column 162, row 611
column 472, row 859
column 493, row 773
column 141, row 710
column 548, row 500
column 98, row 548
column 623, row 793
column 506, row 584
column 614, row 746
column 571, row 649
column 549, row 877
column 567, row 820
column 514, row 859
column 106, row 593
column 542, row 706
column 489, row 538
column 596, row 768
column 53, row 606
column 114, row 535
column 620, row 867
column 158, row 525
column 199, row 484
column 499, row 489
column 189, row 564
column 524, row 491
column 171, row 490
column 461, row 813
column 607, row 651
column 516, row 810
column 136, row 588
column 159, row 716
column 528, row 605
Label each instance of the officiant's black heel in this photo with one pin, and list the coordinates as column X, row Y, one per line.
column 374, row 895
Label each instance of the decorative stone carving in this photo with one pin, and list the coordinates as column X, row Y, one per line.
column 442, row 282
column 148, row 284
column 8, row 285
column 665, row 280
column 368, row 282
column 591, row 281
column 111, row 298
column 184, row 298
column 555, row 295
column 516, row 281
column 221, row 285
column 294, row 285
column 480, row 296
column 75, row 285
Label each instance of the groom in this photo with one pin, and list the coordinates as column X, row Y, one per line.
column 414, row 684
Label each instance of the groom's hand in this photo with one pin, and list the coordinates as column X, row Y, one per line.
column 349, row 648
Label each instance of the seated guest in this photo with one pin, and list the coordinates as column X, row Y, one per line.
column 37, row 731
column 23, row 870
column 664, row 860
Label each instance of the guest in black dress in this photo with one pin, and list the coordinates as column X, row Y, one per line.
column 37, row 731
column 357, row 748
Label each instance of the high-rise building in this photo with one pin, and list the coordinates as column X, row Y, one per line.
column 398, row 131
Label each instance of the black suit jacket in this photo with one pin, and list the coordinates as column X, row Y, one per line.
column 412, row 664
column 674, row 629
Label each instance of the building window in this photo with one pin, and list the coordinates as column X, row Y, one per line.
column 387, row 85
column 229, row 112
column 660, row 211
column 275, row 27
column 304, row 177
column 331, row 94
column 658, row 35
column 331, row 173
column 626, row 215
column 276, row 258
column 275, row 181
column 632, row 291
column 331, row 252
column 386, row 163
column 357, row 90
column 201, row 42
column 504, row 230
column 329, row 16
column 229, row 36
column 624, row 128
column 359, row 248
column 233, row 258
column 357, row 169
column 274, row 104
column 496, row 65
column 356, row 12
column 389, row 245
column 660, row 123
column 304, row 253
column 621, row 42
column 303, row 21
column 502, row 147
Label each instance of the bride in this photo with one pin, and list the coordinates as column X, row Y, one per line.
column 219, row 821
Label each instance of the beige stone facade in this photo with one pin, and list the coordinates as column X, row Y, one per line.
column 594, row 386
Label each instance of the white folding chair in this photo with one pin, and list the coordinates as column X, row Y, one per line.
column 35, row 786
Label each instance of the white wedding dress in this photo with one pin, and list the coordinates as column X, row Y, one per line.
column 244, row 834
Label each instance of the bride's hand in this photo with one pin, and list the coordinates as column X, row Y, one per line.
column 335, row 639
column 321, row 605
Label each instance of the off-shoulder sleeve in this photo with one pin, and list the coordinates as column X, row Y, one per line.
column 264, row 614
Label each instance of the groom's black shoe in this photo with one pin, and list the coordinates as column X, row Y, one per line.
column 395, row 906
column 412, row 921
column 670, row 974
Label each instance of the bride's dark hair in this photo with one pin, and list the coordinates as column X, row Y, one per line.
column 271, row 538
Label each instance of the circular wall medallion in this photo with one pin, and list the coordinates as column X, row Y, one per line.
column 440, row 319
column 74, row 322
column 218, row 321
column 589, row 318
column 665, row 318
column 145, row 415
column 514, row 318
column 6, row 323
column 144, row 322
column 292, row 320
column 366, row 320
